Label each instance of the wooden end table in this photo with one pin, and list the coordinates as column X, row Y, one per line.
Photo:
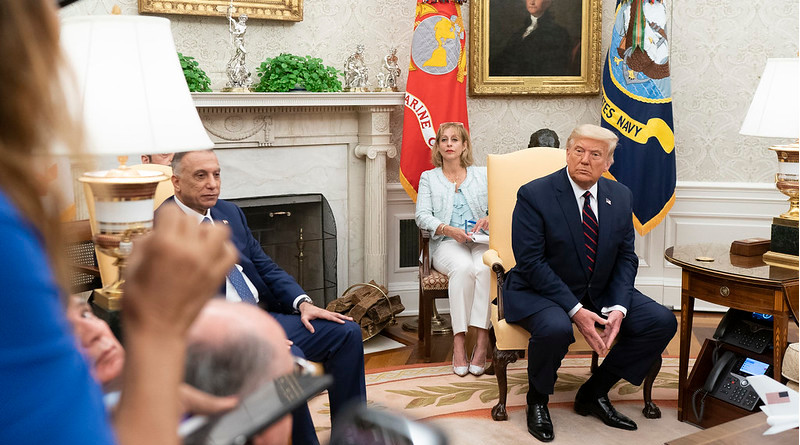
column 744, row 283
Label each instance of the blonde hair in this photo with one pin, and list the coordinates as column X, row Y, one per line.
column 33, row 113
column 466, row 155
column 595, row 133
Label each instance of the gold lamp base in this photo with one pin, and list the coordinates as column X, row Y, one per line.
column 786, row 180
column 109, row 299
column 123, row 210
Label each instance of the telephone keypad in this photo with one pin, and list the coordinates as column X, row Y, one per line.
column 752, row 341
column 738, row 392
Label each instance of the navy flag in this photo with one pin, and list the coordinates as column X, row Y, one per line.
column 637, row 106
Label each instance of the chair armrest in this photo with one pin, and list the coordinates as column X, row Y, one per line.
column 492, row 259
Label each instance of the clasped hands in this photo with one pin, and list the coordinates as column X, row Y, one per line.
column 600, row 342
column 462, row 236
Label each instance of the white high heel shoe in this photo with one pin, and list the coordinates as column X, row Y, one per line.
column 460, row 371
column 475, row 369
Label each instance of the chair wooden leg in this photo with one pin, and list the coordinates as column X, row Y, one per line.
column 650, row 410
column 492, row 341
column 501, row 361
column 425, row 314
column 421, row 304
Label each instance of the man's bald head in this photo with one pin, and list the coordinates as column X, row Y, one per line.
column 233, row 348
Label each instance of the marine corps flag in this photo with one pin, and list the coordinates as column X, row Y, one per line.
column 637, row 105
column 436, row 87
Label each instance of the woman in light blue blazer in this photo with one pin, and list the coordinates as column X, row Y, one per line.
column 452, row 204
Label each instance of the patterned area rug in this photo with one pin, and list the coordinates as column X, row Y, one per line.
column 461, row 406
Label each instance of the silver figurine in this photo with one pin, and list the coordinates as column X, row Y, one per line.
column 356, row 74
column 387, row 80
column 238, row 76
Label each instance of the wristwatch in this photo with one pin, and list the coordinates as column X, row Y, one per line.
column 304, row 299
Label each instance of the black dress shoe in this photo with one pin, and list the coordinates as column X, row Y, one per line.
column 602, row 409
column 539, row 424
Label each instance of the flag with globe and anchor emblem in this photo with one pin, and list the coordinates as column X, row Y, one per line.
column 436, row 87
column 637, row 106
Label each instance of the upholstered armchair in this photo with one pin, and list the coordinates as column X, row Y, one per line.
column 506, row 174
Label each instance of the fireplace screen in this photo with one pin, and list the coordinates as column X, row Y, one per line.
column 299, row 233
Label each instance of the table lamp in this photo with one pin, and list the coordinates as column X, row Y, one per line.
column 132, row 98
column 774, row 113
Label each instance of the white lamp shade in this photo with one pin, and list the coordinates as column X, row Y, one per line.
column 131, row 93
column 774, row 109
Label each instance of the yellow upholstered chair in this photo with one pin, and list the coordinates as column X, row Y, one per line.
column 108, row 271
column 506, row 174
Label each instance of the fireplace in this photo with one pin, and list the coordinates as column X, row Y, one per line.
column 299, row 233
column 331, row 144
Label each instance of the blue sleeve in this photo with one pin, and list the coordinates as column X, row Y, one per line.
column 47, row 395
column 424, row 210
column 528, row 241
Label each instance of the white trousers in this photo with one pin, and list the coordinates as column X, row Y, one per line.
column 469, row 282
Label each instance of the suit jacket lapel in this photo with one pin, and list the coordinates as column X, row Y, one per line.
column 218, row 216
column 569, row 207
column 606, row 212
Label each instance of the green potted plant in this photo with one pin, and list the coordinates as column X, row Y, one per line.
column 196, row 78
column 289, row 72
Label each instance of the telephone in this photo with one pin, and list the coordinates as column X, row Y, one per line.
column 742, row 329
column 727, row 381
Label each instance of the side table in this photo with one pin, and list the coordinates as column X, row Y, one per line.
column 744, row 283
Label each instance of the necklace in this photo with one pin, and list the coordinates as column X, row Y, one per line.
column 457, row 178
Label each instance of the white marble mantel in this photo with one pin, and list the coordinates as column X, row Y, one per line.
column 335, row 144
column 297, row 99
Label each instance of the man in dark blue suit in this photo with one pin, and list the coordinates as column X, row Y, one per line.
column 572, row 236
column 318, row 335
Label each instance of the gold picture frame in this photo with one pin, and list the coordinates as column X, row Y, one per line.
column 288, row 10
column 570, row 66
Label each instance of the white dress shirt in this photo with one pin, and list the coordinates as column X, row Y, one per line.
column 579, row 191
column 230, row 291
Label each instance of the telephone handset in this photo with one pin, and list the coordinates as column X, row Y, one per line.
column 727, row 381
column 739, row 328
column 722, row 364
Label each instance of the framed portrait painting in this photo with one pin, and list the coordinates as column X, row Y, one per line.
column 289, row 10
column 547, row 47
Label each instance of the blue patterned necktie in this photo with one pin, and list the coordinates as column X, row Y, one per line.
column 237, row 279
column 590, row 228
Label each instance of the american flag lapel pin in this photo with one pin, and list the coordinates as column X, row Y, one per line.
column 224, row 221
column 608, row 201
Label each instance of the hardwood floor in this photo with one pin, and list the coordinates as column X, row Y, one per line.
column 442, row 347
